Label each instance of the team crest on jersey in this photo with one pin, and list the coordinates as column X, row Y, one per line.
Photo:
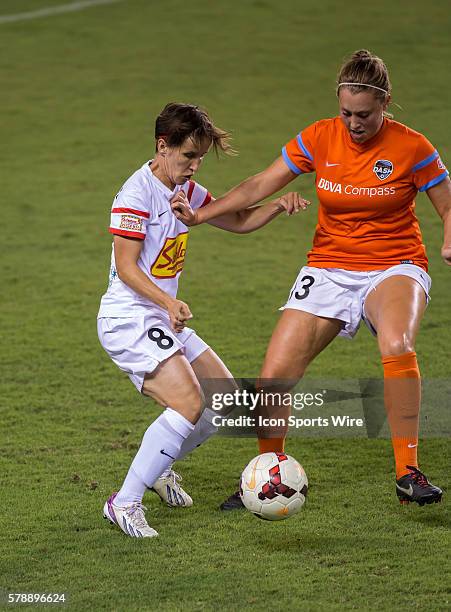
column 382, row 169
column 171, row 258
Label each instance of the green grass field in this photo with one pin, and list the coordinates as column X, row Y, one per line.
column 79, row 95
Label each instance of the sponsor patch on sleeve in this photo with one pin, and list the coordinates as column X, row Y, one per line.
column 131, row 223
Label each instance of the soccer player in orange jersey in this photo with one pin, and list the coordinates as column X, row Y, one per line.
column 368, row 261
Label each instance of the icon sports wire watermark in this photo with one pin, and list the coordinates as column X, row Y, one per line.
column 319, row 407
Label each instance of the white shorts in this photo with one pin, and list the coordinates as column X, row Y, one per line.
column 341, row 294
column 137, row 345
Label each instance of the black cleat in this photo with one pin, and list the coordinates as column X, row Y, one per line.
column 415, row 487
column 232, row 503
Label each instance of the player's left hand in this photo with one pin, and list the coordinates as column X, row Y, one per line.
column 292, row 202
column 182, row 209
column 446, row 254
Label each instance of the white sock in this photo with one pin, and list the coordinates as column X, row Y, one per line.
column 203, row 429
column 132, row 490
column 159, row 447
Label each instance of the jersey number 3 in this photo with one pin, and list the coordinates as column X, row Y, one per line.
column 306, row 282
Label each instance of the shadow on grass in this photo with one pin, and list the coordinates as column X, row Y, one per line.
column 425, row 517
column 307, row 542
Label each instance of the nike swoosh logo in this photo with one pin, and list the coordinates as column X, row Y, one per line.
column 167, row 454
column 330, row 165
column 408, row 491
column 163, row 213
column 253, row 481
column 411, row 445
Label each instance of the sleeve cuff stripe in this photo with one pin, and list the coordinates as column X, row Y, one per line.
column 132, row 211
column 425, row 161
column 120, row 232
column 435, row 181
column 303, row 147
column 207, row 200
column 289, row 163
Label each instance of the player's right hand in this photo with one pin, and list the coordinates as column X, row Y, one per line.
column 292, row 202
column 182, row 209
column 179, row 313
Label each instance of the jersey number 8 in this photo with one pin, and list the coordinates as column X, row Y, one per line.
column 158, row 336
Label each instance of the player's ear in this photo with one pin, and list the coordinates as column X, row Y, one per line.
column 386, row 102
column 162, row 146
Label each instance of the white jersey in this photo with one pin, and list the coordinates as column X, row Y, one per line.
column 142, row 210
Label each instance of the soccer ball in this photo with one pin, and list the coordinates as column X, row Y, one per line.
column 273, row 486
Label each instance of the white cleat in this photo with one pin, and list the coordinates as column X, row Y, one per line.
column 130, row 519
column 168, row 488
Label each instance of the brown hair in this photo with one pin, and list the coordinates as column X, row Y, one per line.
column 366, row 68
column 177, row 122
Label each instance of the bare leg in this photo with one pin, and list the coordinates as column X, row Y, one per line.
column 174, row 384
column 395, row 309
column 214, row 377
column 297, row 339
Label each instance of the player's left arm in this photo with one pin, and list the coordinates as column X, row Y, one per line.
column 254, row 217
column 440, row 196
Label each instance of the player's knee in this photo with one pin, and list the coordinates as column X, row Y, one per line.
column 395, row 344
column 193, row 404
column 271, row 385
column 274, row 375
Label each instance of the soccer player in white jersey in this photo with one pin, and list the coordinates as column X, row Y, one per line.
column 142, row 324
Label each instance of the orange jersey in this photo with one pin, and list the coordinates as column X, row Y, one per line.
column 366, row 193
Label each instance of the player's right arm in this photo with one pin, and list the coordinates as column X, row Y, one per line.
column 126, row 254
column 440, row 196
column 429, row 174
column 251, row 191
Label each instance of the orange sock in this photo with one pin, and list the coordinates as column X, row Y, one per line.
column 271, row 445
column 402, row 394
